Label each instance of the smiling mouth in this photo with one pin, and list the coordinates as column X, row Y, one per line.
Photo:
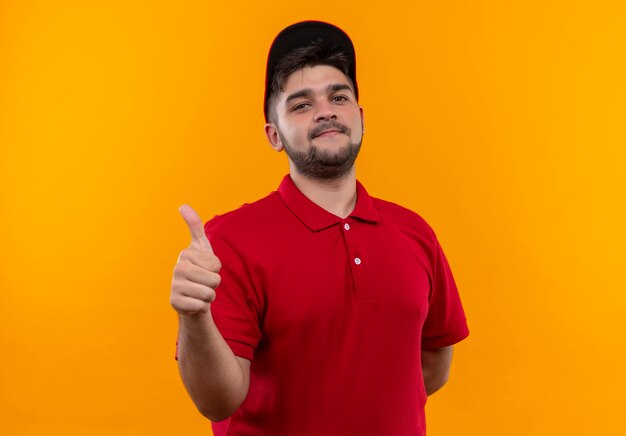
column 329, row 130
column 329, row 133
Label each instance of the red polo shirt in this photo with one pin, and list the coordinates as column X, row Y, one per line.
column 333, row 313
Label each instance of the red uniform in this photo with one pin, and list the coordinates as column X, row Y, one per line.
column 333, row 313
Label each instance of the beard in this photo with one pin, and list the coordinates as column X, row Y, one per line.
column 323, row 164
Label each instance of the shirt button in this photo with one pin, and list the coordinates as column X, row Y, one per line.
column 346, row 226
column 357, row 261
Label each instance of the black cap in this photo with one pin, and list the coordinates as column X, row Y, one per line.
column 303, row 34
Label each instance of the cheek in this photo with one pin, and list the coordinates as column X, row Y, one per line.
column 292, row 136
column 357, row 128
column 298, row 134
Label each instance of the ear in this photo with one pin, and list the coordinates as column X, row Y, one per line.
column 272, row 136
column 362, row 120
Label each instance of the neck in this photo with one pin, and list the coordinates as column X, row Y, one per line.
column 337, row 196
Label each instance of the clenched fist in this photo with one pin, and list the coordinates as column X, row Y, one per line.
column 196, row 272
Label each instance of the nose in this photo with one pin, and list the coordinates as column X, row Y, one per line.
column 325, row 111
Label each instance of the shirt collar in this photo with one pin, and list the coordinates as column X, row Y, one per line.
column 316, row 218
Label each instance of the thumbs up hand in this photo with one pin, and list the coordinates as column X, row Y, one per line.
column 196, row 272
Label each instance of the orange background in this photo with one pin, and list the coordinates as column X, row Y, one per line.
column 502, row 123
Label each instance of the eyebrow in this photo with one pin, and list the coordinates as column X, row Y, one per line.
column 338, row 87
column 334, row 87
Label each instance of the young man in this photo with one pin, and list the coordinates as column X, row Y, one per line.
column 317, row 310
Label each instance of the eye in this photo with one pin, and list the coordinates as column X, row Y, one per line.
column 340, row 98
column 300, row 106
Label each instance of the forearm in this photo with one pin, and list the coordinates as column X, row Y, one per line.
column 210, row 371
column 436, row 368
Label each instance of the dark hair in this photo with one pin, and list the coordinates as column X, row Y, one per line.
column 319, row 52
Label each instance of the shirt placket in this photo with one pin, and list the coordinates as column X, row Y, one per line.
column 358, row 260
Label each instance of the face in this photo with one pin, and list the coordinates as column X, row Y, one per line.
column 318, row 123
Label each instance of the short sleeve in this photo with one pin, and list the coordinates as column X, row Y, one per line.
column 235, row 309
column 445, row 322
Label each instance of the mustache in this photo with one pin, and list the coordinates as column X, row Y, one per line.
column 331, row 125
